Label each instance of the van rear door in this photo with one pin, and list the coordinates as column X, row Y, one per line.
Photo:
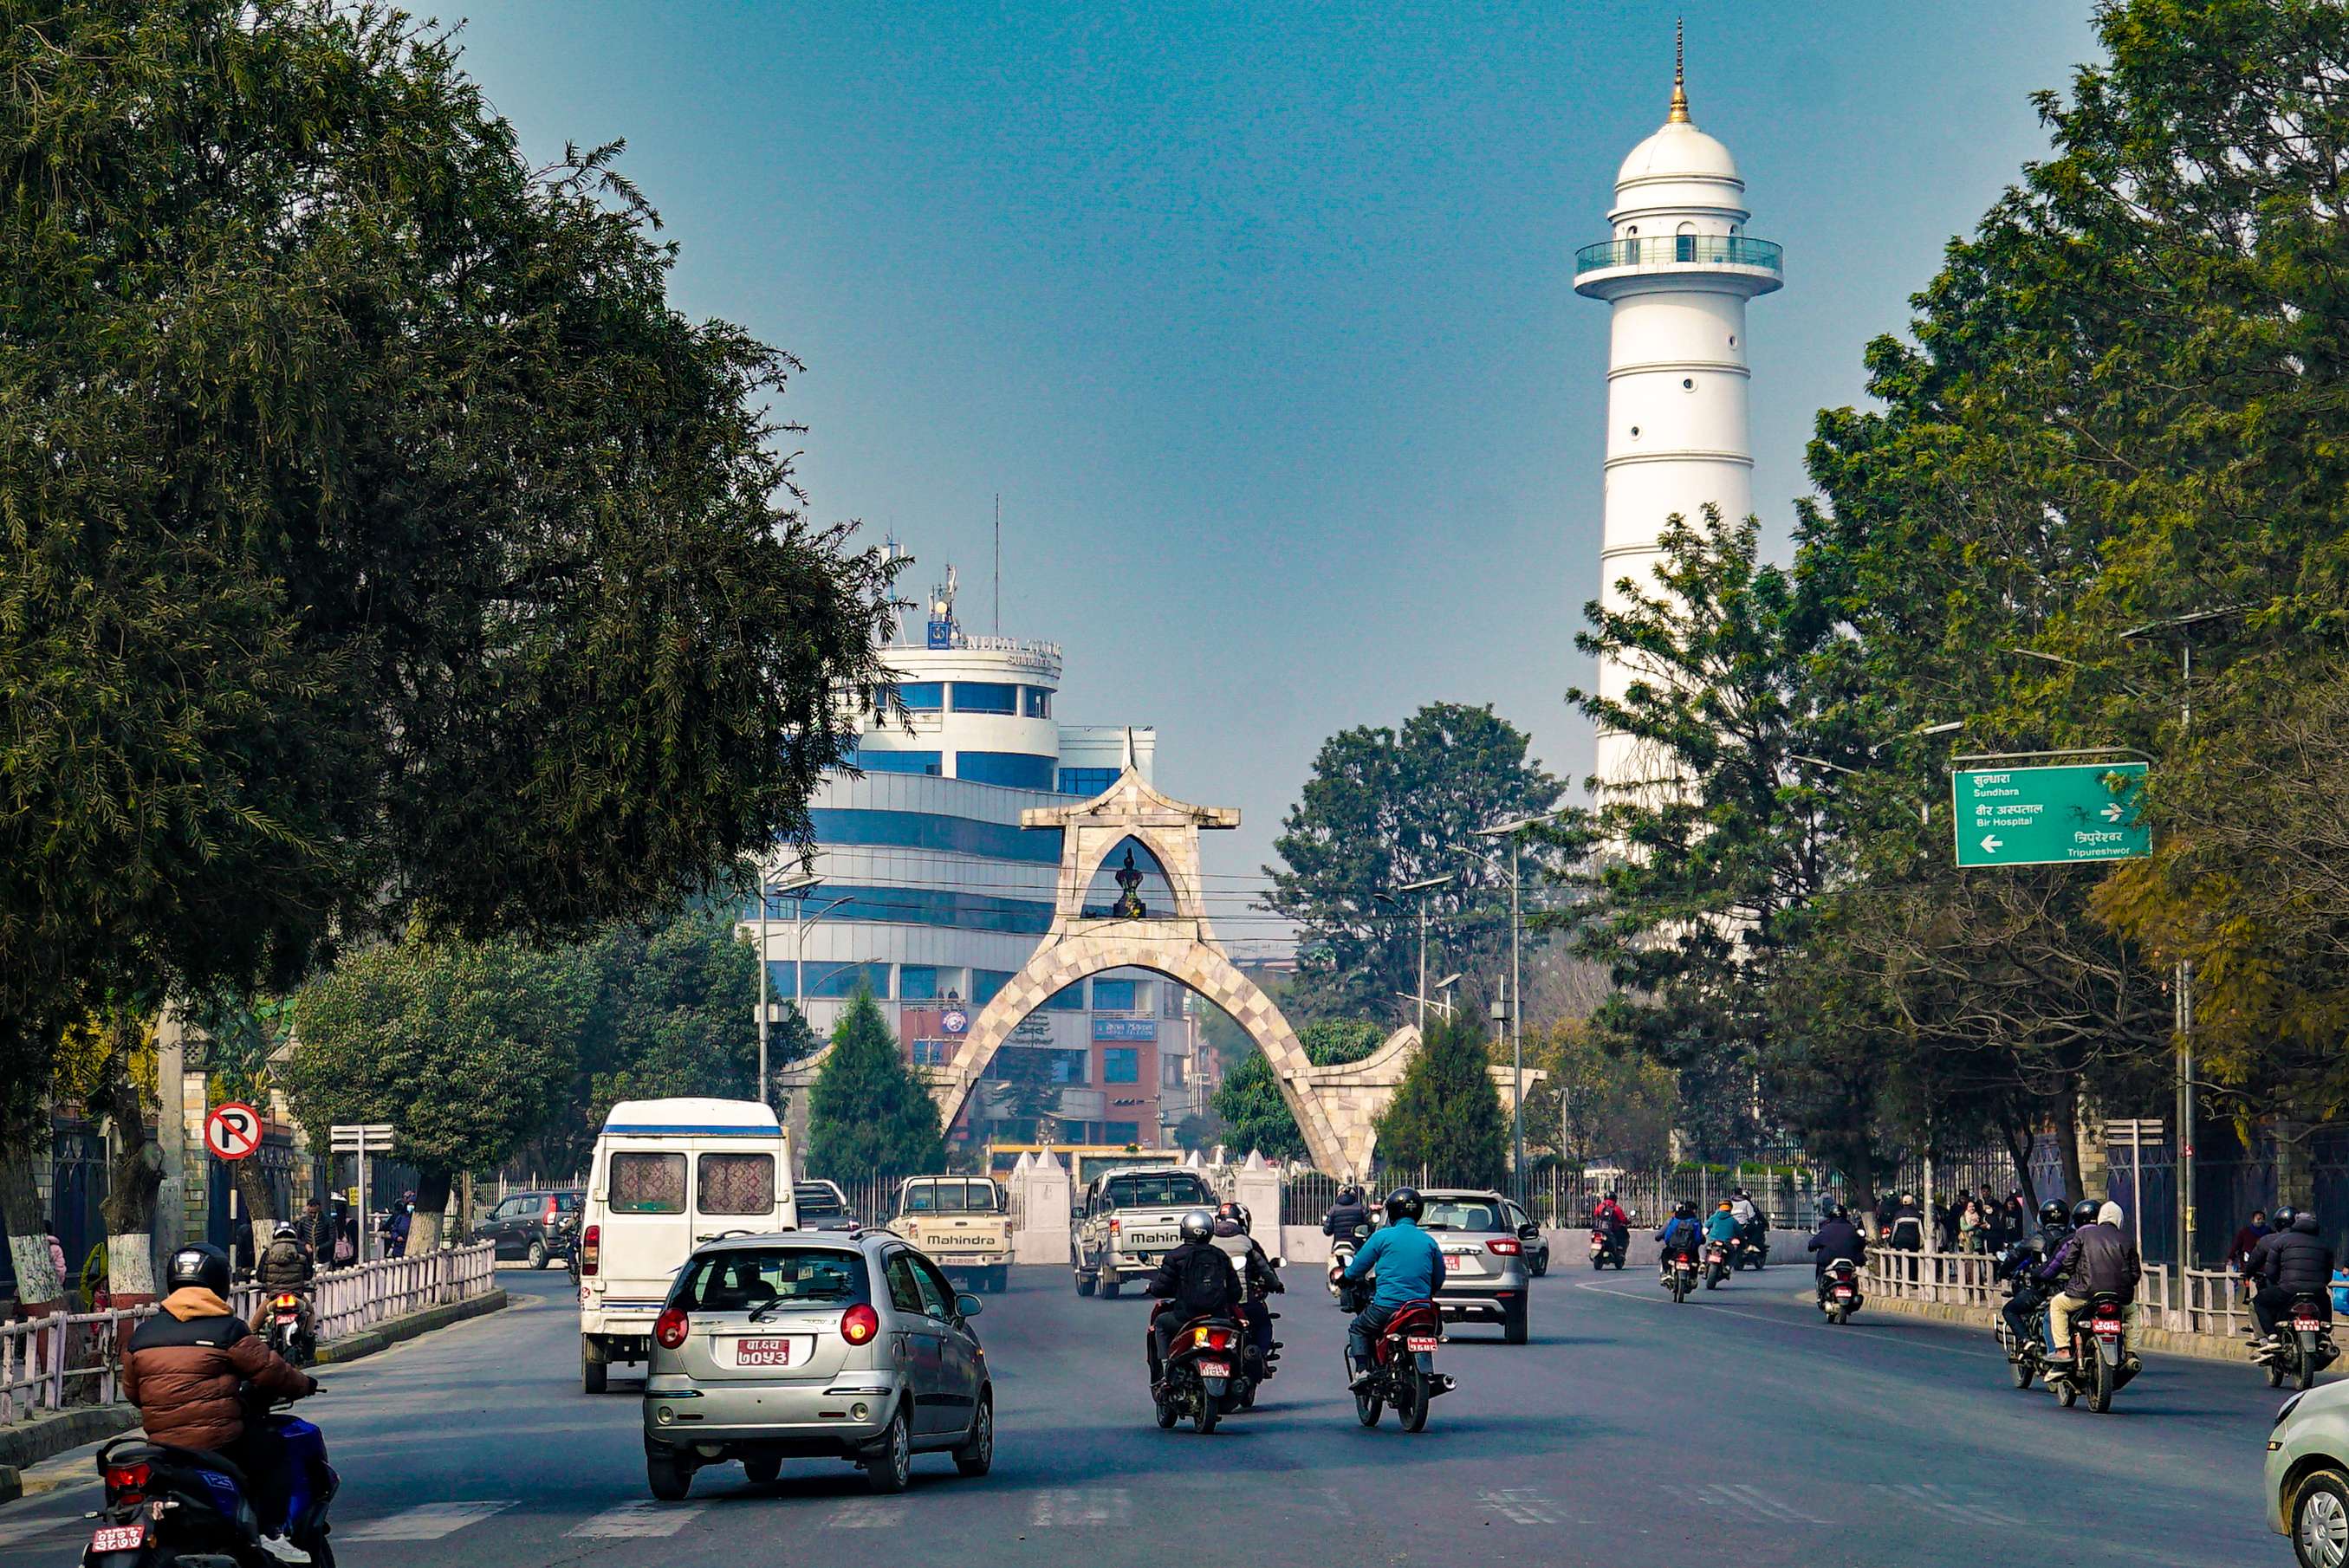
column 736, row 1190
column 647, row 1230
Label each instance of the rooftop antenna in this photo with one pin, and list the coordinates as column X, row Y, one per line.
column 998, row 563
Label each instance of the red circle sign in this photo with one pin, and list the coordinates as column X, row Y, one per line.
column 233, row 1130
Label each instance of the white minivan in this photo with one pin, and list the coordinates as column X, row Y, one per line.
column 668, row 1175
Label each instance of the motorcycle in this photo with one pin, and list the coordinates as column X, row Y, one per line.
column 2302, row 1347
column 1839, row 1295
column 1204, row 1360
column 2025, row 1359
column 1342, row 1255
column 2101, row 1364
column 1751, row 1248
column 175, row 1507
column 1717, row 1265
column 292, row 1342
column 1680, row 1274
column 1256, row 1365
column 1606, row 1248
column 1403, row 1368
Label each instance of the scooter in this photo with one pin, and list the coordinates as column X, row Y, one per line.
column 174, row 1507
column 1203, row 1360
column 1606, row 1248
column 2101, row 1363
column 1342, row 1255
column 292, row 1342
column 1839, row 1295
column 1716, row 1263
column 2305, row 1346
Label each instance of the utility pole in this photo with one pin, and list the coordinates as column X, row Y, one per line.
column 1422, row 886
column 1512, row 829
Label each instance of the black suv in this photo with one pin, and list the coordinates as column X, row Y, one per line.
column 535, row 1226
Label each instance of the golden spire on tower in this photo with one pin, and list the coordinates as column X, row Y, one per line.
column 1680, row 115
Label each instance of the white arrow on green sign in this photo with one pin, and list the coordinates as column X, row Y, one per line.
column 2049, row 816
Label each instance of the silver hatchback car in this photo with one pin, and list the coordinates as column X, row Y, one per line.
column 1485, row 1273
column 807, row 1344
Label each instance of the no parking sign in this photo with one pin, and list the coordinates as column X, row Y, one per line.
column 233, row 1130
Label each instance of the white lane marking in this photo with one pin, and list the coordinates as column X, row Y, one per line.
column 1056, row 1505
column 426, row 1521
column 1521, row 1505
column 1754, row 1499
column 639, row 1521
column 866, row 1513
column 1818, row 1327
column 1964, row 1505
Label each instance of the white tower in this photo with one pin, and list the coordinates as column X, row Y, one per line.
column 1678, row 273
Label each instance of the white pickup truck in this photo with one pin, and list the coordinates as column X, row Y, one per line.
column 1128, row 1221
column 962, row 1223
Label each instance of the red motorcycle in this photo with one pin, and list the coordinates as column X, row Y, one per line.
column 1716, row 1263
column 1679, row 1273
column 1606, row 1248
column 1403, row 1368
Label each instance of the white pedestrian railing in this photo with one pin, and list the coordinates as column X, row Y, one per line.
column 2214, row 1303
column 68, row 1359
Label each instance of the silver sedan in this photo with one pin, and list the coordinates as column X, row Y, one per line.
column 1485, row 1272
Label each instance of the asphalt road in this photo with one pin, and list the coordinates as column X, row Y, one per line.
column 1738, row 1428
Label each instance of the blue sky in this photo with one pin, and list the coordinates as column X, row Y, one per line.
column 1260, row 317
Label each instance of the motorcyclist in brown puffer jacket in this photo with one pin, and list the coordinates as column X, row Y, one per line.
column 187, row 1368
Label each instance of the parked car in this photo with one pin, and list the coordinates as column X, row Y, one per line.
column 812, row 1345
column 1484, row 1276
column 822, row 1206
column 536, row 1227
column 1530, row 1234
column 2308, row 1475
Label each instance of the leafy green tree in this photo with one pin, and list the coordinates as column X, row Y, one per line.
column 1248, row 1103
column 1597, row 1106
column 465, row 1048
column 1384, row 808
column 381, row 543
column 869, row 1114
column 1445, row 1116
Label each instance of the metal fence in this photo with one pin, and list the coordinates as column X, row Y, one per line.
column 73, row 1358
column 2214, row 1303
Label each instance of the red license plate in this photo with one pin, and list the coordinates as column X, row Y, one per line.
column 762, row 1353
column 1842, row 1290
column 1419, row 1342
column 1214, row 1369
column 2106, row 1330
column 2308, row 1325
column 119, row 1537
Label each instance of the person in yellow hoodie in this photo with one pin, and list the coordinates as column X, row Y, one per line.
column 187, row 1368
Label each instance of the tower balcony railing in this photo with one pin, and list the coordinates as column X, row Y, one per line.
column 1681, row 250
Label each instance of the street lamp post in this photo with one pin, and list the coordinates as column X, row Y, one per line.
column 1511, row 830
column 1423, row 885
column 797, row 889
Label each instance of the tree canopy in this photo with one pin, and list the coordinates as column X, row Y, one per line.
column 1446, row 1115
column 869, row 1114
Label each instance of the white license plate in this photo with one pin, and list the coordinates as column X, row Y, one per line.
column 1419, row 1342
column 961, row 1260
column 119, row 1537
column 1214, row 1369
column 2308, row 1325
column 1842, row 1290
column 1462, row 1262
column 777, row 1352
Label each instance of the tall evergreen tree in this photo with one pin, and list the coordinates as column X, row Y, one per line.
column 869, row 1114
column 1447, row 1115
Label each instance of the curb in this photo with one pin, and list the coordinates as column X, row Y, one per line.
column 53, row 1432
column 2160, row 1341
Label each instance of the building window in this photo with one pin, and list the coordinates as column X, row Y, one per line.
column 985, row 983
column 1122, row 1064
column 934, row 1053
column 1012, row 769
column 1120, row 1131
column 1114, row 996
column 917, row 983
column 922, row 696
column 932, row 831
column 1169, row 1072
column 1087, row 782
column 827, row 980
column 869, row 760
column 1040, row 701
column 1070, row 998
column 986, row 697
column 933, row 906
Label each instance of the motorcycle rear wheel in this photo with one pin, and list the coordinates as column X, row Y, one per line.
column 2275, row 1373
column 1167, row 1416
column 2306, row 1377
column 1680, row 1289
column 1205, row 1416
column 1367, row 1409
column 2023, row 1371
column 2100, row 1390
column 1410, row 1407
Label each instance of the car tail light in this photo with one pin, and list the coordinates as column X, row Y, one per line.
column 128, row 1482
column 548, row 1218
column 859, row 1323
column 669, row 1329
column 591, row 1249
column 1114, row 1226
column 1507, row 1246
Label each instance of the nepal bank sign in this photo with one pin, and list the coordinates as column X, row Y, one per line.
column 1125, row 1028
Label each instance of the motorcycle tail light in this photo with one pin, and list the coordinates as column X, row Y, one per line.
column 591, row 1249
column 859, row 1323
column 286, row 1302
column 1507, row 1246
column 669, row 1327
column 128, row 1482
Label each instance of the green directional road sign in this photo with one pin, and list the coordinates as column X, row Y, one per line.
column 2047, row 816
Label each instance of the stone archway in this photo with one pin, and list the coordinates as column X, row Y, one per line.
column 1178, row 943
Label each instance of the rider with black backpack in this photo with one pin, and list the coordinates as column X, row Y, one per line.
column 1195, row 1280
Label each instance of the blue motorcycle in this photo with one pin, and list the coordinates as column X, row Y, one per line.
column 180, row 1507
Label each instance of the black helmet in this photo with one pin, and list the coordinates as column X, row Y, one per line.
column 200, row 1265
column 1240, row 1213
column 283, row 1231
column 1838, row 1212
column 1198, row 1226
column 1685, row 1208
column 1404, row 1203
column 2282, row 1219
column 1349, row 1194
column 2053, row 1213
column 2084, row 1212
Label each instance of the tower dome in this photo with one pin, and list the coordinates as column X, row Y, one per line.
column 1678, row 150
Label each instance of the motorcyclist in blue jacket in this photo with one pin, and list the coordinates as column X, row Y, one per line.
column 1678, row 1234
column 1407, row 1264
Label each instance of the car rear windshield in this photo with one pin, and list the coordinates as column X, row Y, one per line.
column 1462, row 1214
column 744, row 1279
column 950, row 1198
column 818, row 1205
column 1173, row 1190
